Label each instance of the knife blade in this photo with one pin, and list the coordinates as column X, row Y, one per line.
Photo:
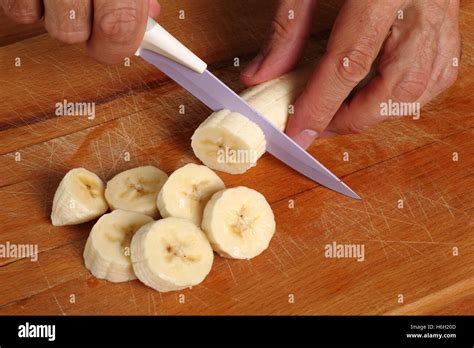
column 216, row 95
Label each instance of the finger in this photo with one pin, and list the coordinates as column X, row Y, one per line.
column 68, row 20
column 445, row 68
column 153, row 8
column 290, row 30
column 405, row 69
column 23, row 11
column 351, row 50
column 117, row 30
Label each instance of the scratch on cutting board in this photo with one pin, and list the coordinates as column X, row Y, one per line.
column 134, row 300
column 447, row 206
column 130, row 140
column 161, row 299
column 376, row 289
column 98, row 155
column 413, row 248
column 296, row 245
column 250, row 267
column 325, row 224
column 373, row 227
column 218, row 293
column 282, row 245
column 427, row 231
column 368, row 213
column 419, row 224
column 389, row 229
column 382, row 241
column 153, row 302
column 407, row 204
column 437, row 202
column 231, row 272
column 302, row 242
column 422, row 209
column 277, row 257
column 406, row 241
column 277, row 266
column 50, row 288
column 193, row 295
column 367, row 231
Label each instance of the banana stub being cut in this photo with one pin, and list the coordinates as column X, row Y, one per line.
column 78, row 198
column 171, row 254
column 186, row 192
column 107, row 251
column 136, row 190
column 239, row 222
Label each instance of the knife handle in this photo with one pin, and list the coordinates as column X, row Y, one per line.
column 158, row 40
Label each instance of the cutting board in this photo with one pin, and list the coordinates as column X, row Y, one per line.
column 415, row 220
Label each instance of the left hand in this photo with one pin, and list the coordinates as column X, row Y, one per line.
column 415, row 61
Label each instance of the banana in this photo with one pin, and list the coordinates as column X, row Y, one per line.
column 171, row 254
column 239, row 223
column 187, row 191
column 136, row 190
column 78, row 198
column 107, row 251
column 273, row 98
column 230, row 142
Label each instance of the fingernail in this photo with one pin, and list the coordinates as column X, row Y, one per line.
column 305, row 138
column 253, row 66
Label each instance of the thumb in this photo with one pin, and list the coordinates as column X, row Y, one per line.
column 285, row 44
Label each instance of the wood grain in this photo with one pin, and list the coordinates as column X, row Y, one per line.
column 408, row 251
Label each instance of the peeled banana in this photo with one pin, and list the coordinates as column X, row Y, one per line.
column 187, row 191
column 107, row 251
column 171, row 254
column 136, row 190
column 273, row 98
column 230, row 142
column 78, row 198
column 239, row 222
column 199, row 215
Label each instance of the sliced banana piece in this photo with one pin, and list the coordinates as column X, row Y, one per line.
column 187, row 191
column 107, row 251
column 136, row 190
column 78, row 198
column 229, row 142
column 239, row 222
column 171, row 254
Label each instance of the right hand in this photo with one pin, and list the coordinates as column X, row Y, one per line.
column 113, row 30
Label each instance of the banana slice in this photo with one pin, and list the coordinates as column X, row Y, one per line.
column 239, row 223
column 136, row 190
column 107, row 251
column 78, row 198
column 171, row 254
column 187, row 191
column 229, row 142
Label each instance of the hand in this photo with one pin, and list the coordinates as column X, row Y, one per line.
column 113, row 29
column 415, row 56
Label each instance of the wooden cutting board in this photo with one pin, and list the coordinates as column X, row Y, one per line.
column 419, row 257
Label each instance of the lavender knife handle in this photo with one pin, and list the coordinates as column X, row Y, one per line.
column 158, row 40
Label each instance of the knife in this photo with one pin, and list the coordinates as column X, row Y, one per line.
column 165, row 52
